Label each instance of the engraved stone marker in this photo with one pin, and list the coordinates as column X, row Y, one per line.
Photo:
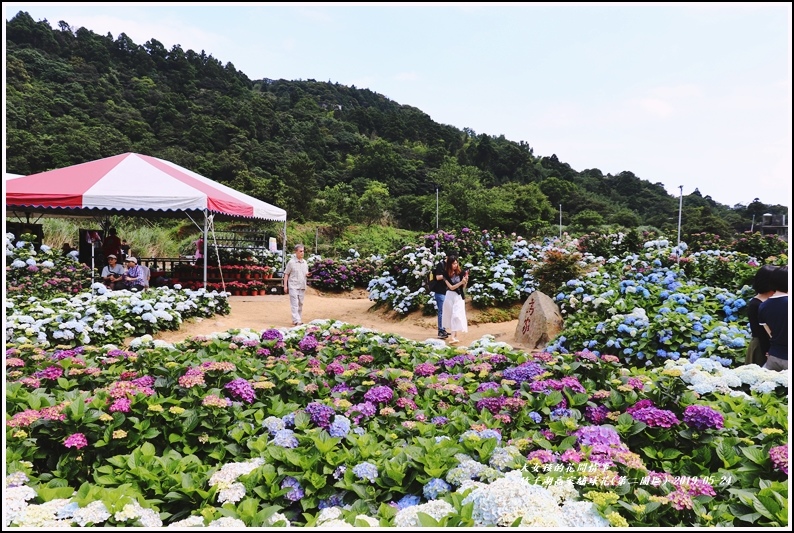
column 539, row 322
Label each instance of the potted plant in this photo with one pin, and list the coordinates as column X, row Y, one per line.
column 256, row 287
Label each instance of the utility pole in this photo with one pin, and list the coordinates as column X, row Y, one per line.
column 752, row 224
column 680, row 207
column 437, row 220
column 560, row 221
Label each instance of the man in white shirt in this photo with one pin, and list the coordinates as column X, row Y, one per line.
column 295, row 275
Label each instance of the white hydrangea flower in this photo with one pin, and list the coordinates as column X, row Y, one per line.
column 335, row 524
column 407, row 517
column 329, row 513
column 278, row 517
column 227, row 522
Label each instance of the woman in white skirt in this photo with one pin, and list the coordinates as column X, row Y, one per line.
column 453, row 317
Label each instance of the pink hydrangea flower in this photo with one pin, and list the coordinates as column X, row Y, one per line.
column 76, row 440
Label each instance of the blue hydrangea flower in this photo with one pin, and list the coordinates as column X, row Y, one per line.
column 340, row 426
column 366, row 471
column 408, row 500
column 285, row 438
column 436, row 487
column 297, row 491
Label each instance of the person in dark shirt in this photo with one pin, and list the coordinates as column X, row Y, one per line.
column 112, row 244
column 125, row 250
column 759, row 344
column 773, row 316
column 439, row 289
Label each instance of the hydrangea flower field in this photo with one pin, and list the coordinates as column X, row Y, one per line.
column 639, row 415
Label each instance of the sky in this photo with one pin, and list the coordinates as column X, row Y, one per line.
column 690, row 95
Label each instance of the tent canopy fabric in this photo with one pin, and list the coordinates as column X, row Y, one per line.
column 135, row 185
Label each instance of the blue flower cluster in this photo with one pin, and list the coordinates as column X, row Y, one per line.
column 366, row 471
column 297, row 491
column 285, row 438
column 436, row 487
column 340, row 426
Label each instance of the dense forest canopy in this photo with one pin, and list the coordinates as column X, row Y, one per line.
column 322, row 151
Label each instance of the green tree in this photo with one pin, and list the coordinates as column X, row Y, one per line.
column 459, row 193
column 300, row 183
column 556, row 190
column 375, row 202
column 587, row 220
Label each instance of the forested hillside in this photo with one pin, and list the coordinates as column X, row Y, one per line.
column 322, row 151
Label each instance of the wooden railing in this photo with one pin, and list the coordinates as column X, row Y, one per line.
column 166, row 264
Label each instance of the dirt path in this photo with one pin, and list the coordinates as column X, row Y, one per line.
column 262, row 312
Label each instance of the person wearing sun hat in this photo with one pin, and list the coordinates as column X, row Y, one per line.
column 113, row 273
column 133, row 276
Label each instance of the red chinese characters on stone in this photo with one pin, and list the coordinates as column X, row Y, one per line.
column 528, row 317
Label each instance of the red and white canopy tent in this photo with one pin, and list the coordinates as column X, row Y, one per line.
column 134, row 185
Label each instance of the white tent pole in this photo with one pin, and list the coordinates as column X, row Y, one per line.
column 284, row 249
column 205, row 249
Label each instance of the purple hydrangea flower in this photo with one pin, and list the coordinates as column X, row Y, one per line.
column 523, row 372
column 144, row 381
column 642, row 404
column 597, row 435
column 51, row 372
column 654, row 417
column 342, row 387
column 361, row 409
column 487, row 385
column 493, row 404
column 62, row 354
column 271, row 335
column 240, row 388
column 307, row 344
column 425, row 369
column 544, row 456
column 380, row 394
column 297, row 491
column 336, row 499
column 122, row 405
column 596, row 415
column 76, row 440
column 320, row 414
column 702, row 417
column 779, row 457
column 334, row 368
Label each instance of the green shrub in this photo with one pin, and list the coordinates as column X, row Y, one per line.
column 557, row 268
